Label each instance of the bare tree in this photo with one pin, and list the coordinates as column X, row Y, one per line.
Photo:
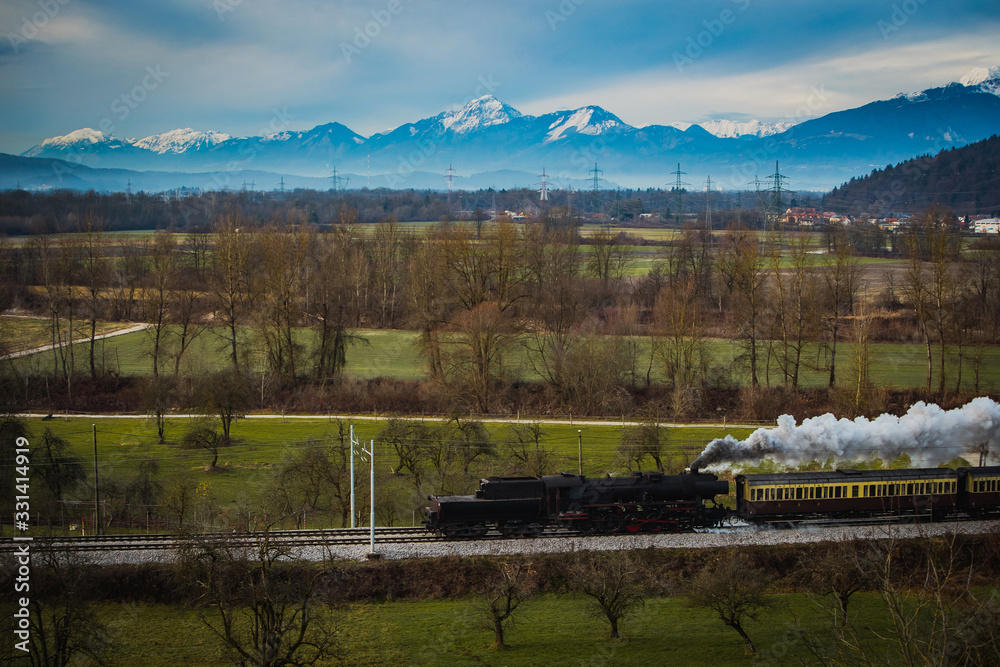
column 64, row 626
column 523, row 443
column 611, row 581
column 841, row 277
column 95, row 272
column 648, row 439
column 502, row 591
column 262, row 619
column 742, row 267
column 680, row 344
column 734, row 590
column 841, row 569
column 230, row 278
column 158, row 295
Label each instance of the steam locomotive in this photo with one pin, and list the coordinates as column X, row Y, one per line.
column 654, row 502
column 525, row 506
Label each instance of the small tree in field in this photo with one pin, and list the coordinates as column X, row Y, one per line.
column 504, row 588
column 734, row 590
column 612, row 583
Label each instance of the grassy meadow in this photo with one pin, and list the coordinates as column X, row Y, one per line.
column 550, row 629
column 394, row 354
column 262, row 444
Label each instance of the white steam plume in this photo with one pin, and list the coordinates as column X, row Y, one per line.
column 927, row 433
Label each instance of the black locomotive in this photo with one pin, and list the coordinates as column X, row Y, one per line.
column 524, row 506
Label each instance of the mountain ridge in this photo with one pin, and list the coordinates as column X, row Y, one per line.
column 488, row 135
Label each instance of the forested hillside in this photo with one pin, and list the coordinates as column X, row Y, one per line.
column 966, row 180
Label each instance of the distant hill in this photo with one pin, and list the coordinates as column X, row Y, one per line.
column 965, row 179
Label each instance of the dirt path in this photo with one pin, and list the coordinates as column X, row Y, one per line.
column 45, row 348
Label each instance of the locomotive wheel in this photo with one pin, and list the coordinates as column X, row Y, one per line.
column 633, row 523
column 609, row 524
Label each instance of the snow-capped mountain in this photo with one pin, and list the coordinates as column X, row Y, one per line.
column 729, row 129
column 479, row 113
column 487, row 135
column 82, row 139
column 987, row 78
column 591, row 121
column 178, row 141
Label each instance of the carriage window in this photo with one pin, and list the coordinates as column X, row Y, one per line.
column 909, row 489
column 836, row 492
column 866, row 490
column 798, row 493
column 892, row 489
column 854, row 491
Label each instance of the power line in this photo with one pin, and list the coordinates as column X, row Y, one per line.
column 678, row 191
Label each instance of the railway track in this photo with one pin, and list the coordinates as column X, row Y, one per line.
column 290, row 538
column 339, row 537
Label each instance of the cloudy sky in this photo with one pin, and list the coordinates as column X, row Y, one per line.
column 245, row 67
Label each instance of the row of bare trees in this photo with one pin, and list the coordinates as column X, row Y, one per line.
column 284, row 300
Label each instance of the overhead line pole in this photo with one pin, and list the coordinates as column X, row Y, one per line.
column 97, row 490
column 353, row 515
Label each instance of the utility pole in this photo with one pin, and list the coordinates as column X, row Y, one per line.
column 97, row 490
column 771, row 197
column 596, row 187
column 543, row 194
column 451, row 178
column 678, row 191
column 579, row 446
column 353, row 515
column 708, row 204
column 371, row 457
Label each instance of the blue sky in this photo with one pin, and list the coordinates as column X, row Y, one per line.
column 244, row 67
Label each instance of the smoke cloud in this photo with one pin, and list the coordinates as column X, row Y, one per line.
column 928, row 434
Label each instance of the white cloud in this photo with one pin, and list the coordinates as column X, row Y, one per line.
column 664, row 96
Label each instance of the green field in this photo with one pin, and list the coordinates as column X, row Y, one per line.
column 262, row 444
column 551, row 629
column 22, row 333
column 393, row 354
